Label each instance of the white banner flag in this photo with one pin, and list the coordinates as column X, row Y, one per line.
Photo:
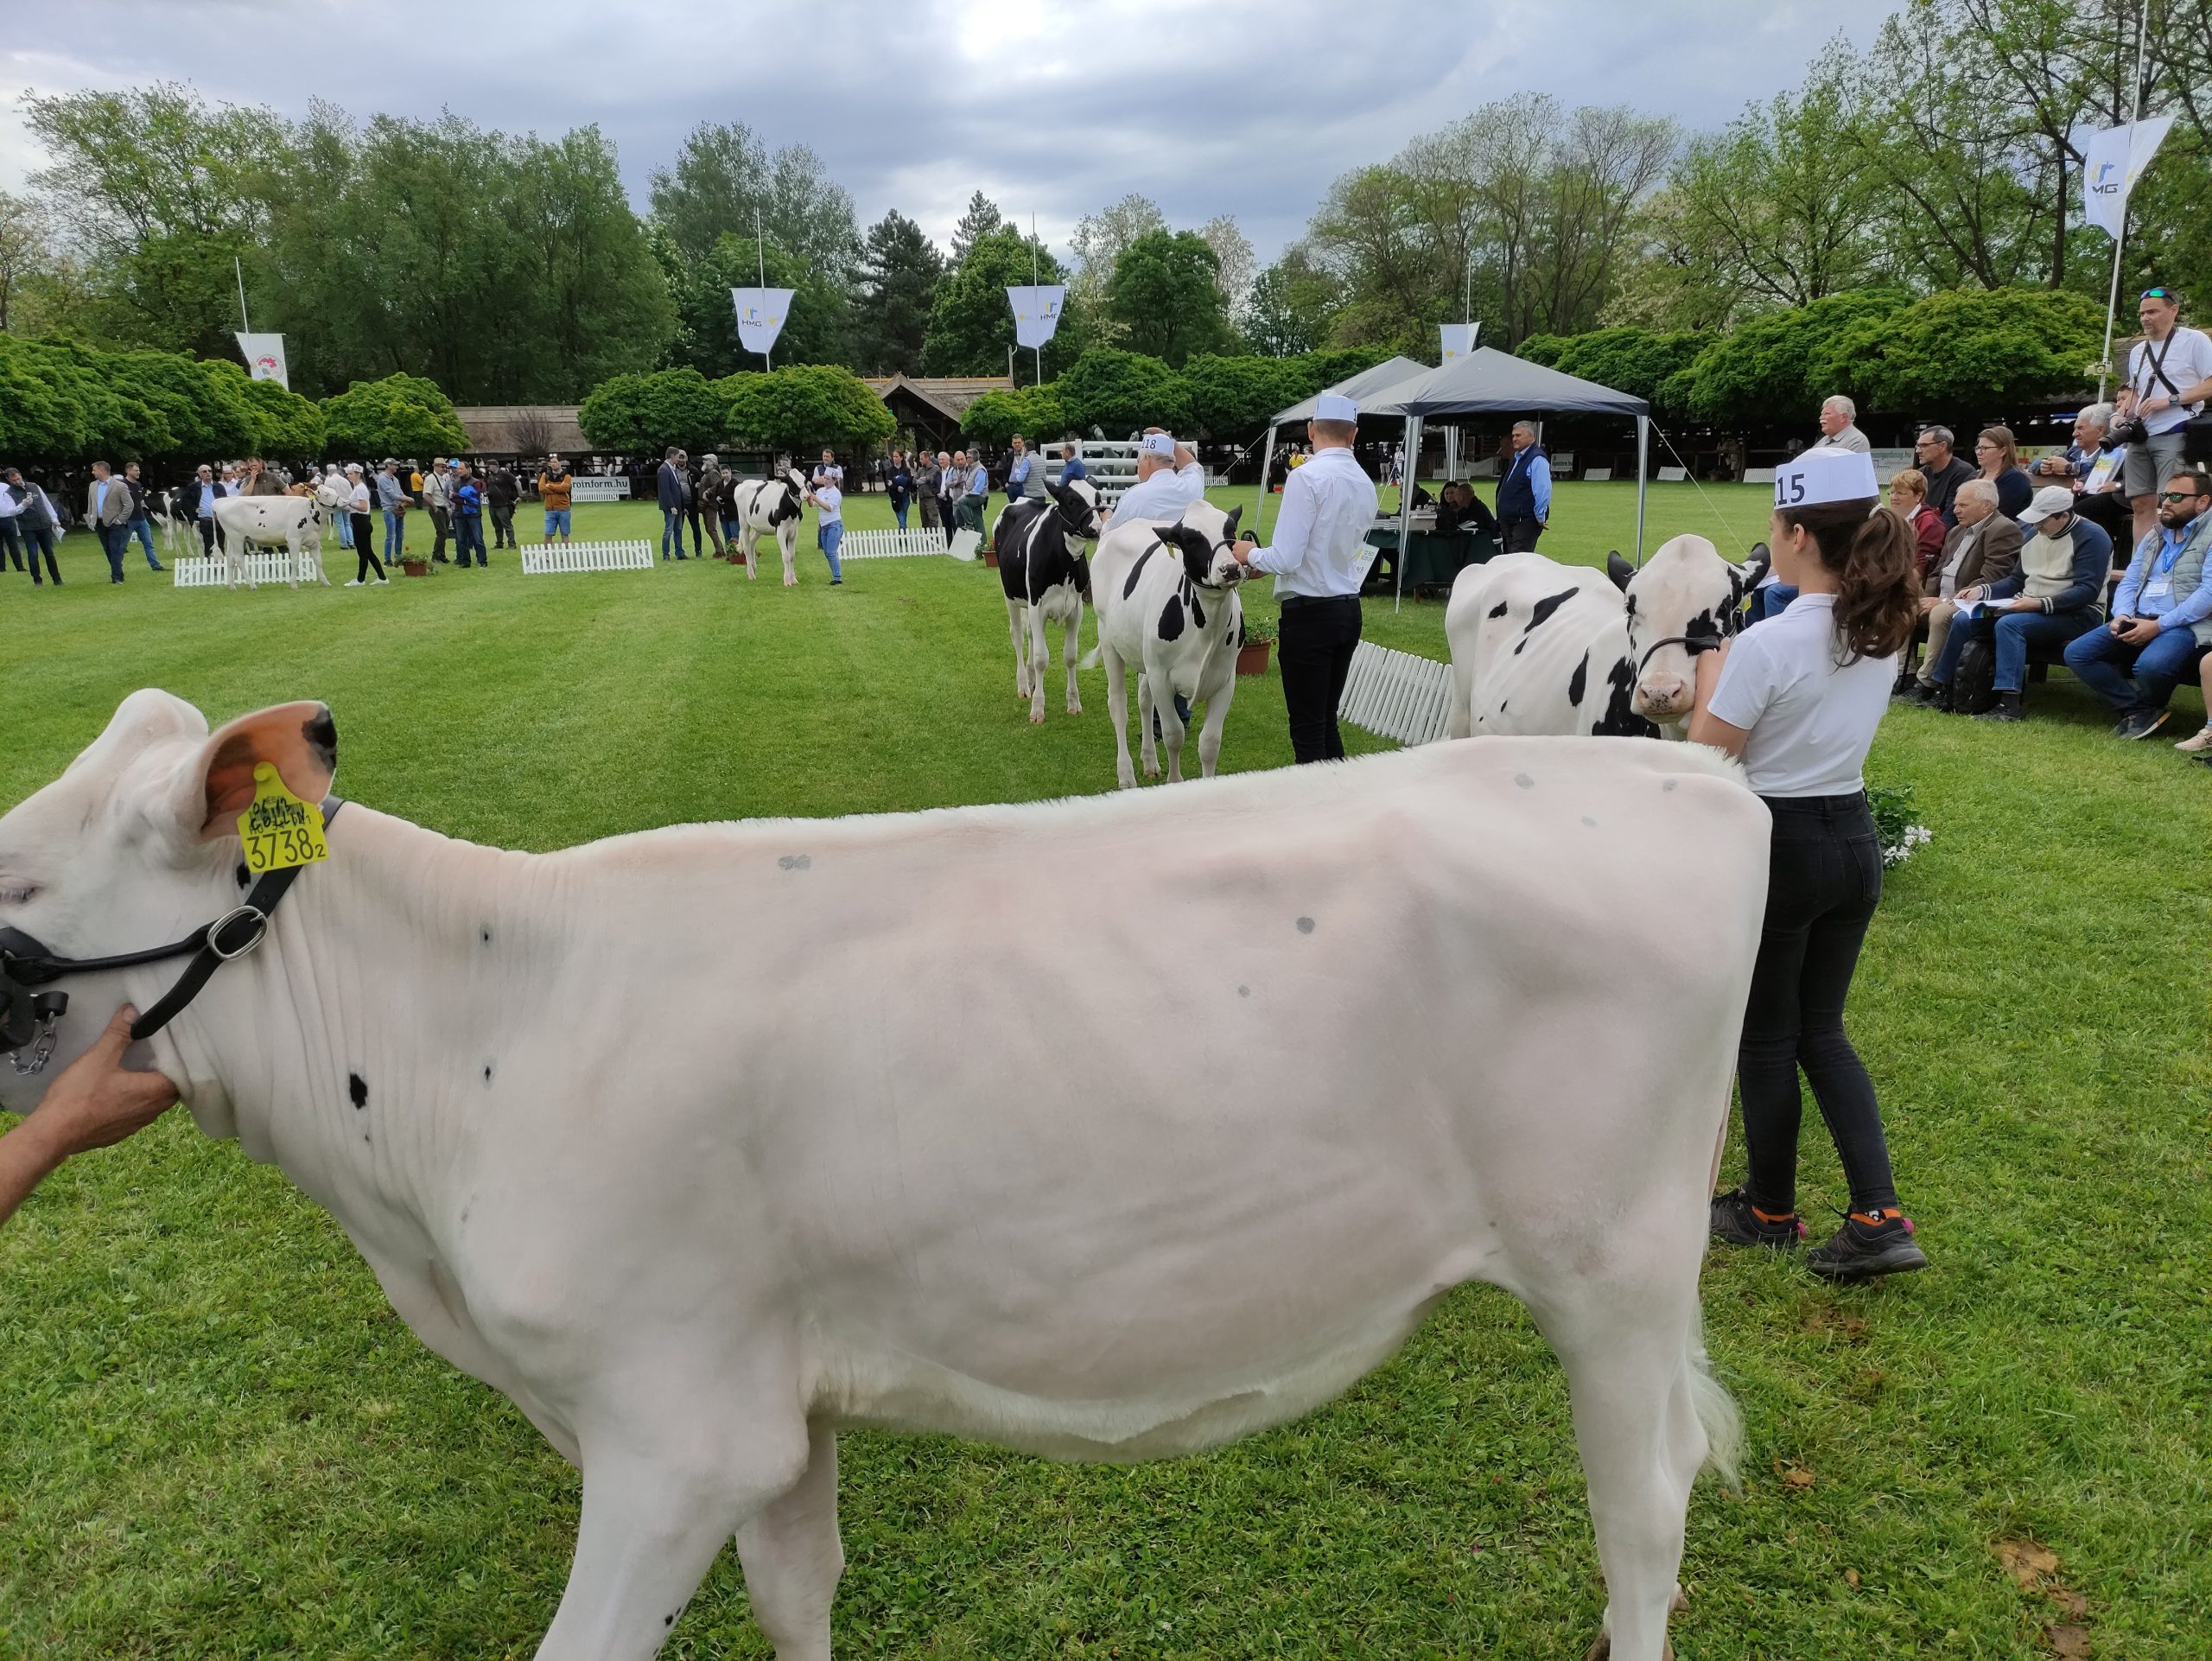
column 2114, row 161
column 1458, row 338
column 1036, row 312
column 761, row 313
column 265, row 357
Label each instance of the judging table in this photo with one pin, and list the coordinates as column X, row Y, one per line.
column 1433, row 558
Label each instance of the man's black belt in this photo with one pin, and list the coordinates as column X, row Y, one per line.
column 1290, row 600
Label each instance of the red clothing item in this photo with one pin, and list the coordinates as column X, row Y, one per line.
column 1928, row 538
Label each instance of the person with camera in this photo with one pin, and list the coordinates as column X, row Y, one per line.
column 1797, row 701
column 2169, row 377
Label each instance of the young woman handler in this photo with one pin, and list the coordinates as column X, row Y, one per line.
column 1797, row 700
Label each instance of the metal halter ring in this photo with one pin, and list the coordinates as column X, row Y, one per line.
column 215, row 932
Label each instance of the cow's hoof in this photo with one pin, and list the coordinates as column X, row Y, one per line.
column 1036, row 718
column 1603, row 1648
column 1074, row 709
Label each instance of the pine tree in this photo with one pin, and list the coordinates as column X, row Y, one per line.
column 982, row 219
column 900, row 270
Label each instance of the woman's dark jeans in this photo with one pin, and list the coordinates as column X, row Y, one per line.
column 1824, row 879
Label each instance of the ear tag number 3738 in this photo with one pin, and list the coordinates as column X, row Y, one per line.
column 278, row 829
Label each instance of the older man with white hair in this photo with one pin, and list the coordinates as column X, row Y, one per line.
column 1838, row 432
column 1163, row 488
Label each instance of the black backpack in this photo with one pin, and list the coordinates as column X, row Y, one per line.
column 1974, row 683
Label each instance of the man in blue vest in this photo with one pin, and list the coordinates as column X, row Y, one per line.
column 1524, row 494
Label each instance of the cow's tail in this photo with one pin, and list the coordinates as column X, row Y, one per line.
column 1090, row 658
column 1716, row 1413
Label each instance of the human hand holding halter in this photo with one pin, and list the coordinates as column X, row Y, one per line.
column 94, row 1101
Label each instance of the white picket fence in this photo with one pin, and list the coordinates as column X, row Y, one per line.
column 551, row 558
column 213, row 571
column 1396, row 695
column 913, row 542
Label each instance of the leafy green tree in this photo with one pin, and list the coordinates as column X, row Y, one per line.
column 1309, row 373
column 1120, row 392
column 1165, row 296
column 160, row 191
column 1291, row 306
column 1640, row 361
column 401, row 415
column 982, row 219
column 1971, row 349
column 1780, row 365
column 1235, row 397
column 805, row 406
column 901, row 269
column 645, row 413
column 723, row 175
column 971, row 325
column 1035, row 412
column 285, row 425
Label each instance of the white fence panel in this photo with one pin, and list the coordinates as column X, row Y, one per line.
column 1596, row 475
column 1397, row 694
column 213, row 571
column 554, row 558
column 1673, row 475
column 913, row 542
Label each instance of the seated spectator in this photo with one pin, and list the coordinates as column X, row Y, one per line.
column 1462, row 510
column 2162, row 616
column 1983, row 547
column 2092, row 466
column 1944, row 471
column 1999, row 458
column 1909, row 501
column 2199, row 743
column 2055, row 594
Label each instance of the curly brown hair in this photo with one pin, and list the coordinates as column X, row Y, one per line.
column 1873, row 558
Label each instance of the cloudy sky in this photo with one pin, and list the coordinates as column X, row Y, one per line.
column 1208, row 106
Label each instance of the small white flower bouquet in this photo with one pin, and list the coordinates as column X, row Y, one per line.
column 1900, row 832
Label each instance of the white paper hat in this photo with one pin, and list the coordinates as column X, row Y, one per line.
column 1825, row 474
column 1159, row 444
column 1335, row 406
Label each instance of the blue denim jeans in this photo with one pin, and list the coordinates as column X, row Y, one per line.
column 1774, row 598
column 142, row 528
column 114, row 538
column 39, row 539
column 2133, row 678
column 829, row 537
column 671, row 530
column 2014, row 632
column 899, row 510
column 395, row 536
column 468, row 538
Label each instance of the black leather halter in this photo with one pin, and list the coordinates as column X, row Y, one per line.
column 27, row 1016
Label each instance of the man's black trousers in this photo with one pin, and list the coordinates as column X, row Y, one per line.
column 1316, row 646
column 1521, row 533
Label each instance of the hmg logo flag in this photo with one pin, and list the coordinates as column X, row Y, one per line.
column 2114, row 161
column 1036, row 312
column 761, row 313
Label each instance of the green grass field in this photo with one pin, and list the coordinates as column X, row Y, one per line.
column 216, row 1441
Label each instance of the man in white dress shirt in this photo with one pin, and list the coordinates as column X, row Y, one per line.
column 1163, row 489
column 1327, row 507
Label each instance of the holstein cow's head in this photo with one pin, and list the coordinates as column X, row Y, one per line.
column 1684, row 601
column 1078, row 504
column 1202, row 537
column 135, row 846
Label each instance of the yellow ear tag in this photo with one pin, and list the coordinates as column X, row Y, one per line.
column 279, row 830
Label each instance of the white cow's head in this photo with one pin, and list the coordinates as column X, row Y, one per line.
column 1685, row 593
column 333, row 492
column 135, row 845
column 1202, row 535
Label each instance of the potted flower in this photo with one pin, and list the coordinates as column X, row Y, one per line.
column 1252, row 646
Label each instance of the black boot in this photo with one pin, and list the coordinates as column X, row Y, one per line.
column 2007, row 708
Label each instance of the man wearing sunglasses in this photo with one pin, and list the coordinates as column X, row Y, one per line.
column 2162, row 616
column 2169, row 377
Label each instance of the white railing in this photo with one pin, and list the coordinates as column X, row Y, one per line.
column 913, row 542
column 1396, row 695
column 551, row 558
column 213, row 571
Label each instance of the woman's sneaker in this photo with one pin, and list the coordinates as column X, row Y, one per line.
column 1869, row 1244
column 2198, row 743
column 1736, row 1221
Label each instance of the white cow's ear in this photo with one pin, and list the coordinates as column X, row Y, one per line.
column 299, row 740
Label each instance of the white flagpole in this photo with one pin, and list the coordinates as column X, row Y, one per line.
column 2119, row 242
column 760, row 253
column 1032, row 283
column 240, row 270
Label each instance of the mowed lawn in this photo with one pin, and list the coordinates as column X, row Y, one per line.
column 216, row 1439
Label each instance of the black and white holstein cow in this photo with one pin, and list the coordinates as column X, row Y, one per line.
column 1539, row 648
column 765, row 507
column 1166, row 596
column 1046, row 579
column 694, row 1240
column 292, row 522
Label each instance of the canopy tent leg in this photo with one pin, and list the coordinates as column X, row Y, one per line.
column 1266, row 468
column 1406, row 508
column 1643, row 447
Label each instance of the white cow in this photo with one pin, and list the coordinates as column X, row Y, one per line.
column 293, row 523
column 769, row 508
column 693, row 1240
column 1539, row 648
column 1044, row 576
column 1166, row 596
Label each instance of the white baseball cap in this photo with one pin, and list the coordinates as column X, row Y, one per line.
column 1159, row 444
column 2052, row 499
column 1824, row 474
column 1335, row 406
